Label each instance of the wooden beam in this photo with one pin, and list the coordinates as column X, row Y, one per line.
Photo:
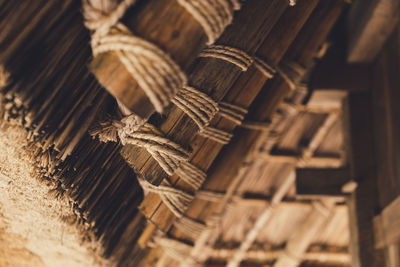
column 370, row 23
column 331, row 75
column 387, row 225
column 363, row 202
column 322, row 182
column 392, row 255
column 265, row 255
column 314, row 162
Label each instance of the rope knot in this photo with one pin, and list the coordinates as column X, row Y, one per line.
column 101, row 16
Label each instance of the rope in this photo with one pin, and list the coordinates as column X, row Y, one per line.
column 100, row 16
column 154, row 70
column 170, row 156
column 176, row 249
column 263, row 66
column 198, row 106
column 167, row 153
column 209, row 195
column 176, row 200
column 191, row 174
column 213, row 15
column 232, row 112
column 217, row 135
column 230, row 54
column 256, row 125
column 190, row 226
column 201, row 109
column 287, row 78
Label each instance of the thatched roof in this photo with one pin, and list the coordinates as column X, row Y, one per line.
column 185, row 132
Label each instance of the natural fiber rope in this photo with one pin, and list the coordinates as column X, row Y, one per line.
column 167, row 153
column 201, row 109
column 191, row 174
column 175, row 199
column 232, row 112
column 198, row 106
column 209, row 195
column 263, row 66
column 212, row 15
column 217, row 135
column 101, row 16
column 175, row 249
column 190, row 226
column 171, row 156
column 287, row 78
column 230, row 54
column 154, row 70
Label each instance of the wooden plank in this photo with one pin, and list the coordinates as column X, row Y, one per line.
column 322, row 182
column 363, row 202
column 370, row 23
column 387, row 225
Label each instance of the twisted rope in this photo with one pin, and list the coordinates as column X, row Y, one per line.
column 167, row 153
column 100, row 16
column 212, row 15
column 190, row 226
column 155, row 72
column 263, row 66
column 230, row 54
column 198, row 106
column 209, row 195
column 191, row 174
column 232, row 112
column 176, row 249
column 153, row 69
column 171, row 157
column 201, row 109
column 175, row 199
column 287, row 78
